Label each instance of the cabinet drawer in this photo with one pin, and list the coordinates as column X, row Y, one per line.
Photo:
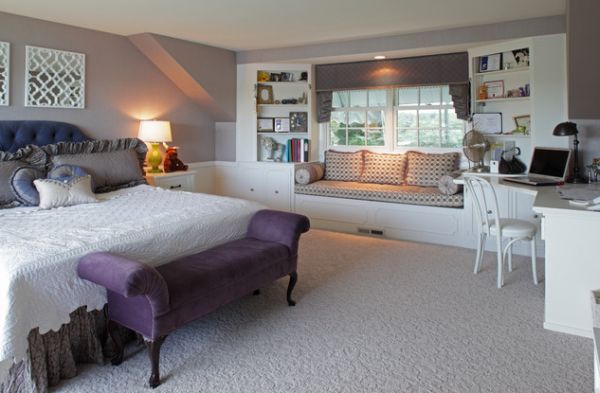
column 179, row 183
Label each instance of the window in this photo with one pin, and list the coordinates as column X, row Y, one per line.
column 358, row 118
column 416, row 116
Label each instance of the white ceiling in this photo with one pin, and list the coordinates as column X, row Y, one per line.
column 257, row 24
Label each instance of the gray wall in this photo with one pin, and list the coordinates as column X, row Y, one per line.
column 122, row 86
column 225, row 141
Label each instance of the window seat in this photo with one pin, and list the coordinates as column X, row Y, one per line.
column 412, row 195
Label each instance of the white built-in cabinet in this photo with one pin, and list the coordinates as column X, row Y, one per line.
column 268, row 183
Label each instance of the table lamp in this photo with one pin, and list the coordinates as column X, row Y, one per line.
column 155, row 132
column 567, row 129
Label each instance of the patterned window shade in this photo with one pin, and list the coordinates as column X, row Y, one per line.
column 447, row 69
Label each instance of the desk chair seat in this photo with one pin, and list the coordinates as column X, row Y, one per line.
column 486, row 207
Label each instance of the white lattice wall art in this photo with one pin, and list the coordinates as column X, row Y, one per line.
column 4, row 72
column 54, row 78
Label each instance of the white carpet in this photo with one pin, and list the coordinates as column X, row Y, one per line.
column 372, row 316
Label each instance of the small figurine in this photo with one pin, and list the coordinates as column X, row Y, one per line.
column 172, row 163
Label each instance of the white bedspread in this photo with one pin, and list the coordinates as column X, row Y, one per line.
column 39, row 250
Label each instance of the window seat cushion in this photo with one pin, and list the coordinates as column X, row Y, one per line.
column 412, row 195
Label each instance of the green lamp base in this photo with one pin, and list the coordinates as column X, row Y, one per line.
column 154, row 158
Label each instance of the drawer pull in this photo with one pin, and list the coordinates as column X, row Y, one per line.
column 276, row 191
column 174, row 187
column 252, row 190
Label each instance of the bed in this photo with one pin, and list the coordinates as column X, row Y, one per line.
column 39, row 249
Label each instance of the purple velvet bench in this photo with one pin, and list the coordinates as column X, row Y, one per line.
column 156, row 301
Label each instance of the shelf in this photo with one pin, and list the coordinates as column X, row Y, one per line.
column 283, row 133
column 520, row 136
column 503, row 72
column 297, row 83
column 282, row 105
column 503, row 99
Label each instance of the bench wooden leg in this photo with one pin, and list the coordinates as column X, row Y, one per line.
column 292, row 284
column 256, row 292
column 115, row 335
column 154, row 353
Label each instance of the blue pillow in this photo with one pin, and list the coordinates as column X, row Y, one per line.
column 21, row 183
column 66, row 173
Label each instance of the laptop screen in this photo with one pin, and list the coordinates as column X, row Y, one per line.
column 549, row 162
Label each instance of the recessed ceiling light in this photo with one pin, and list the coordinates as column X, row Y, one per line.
column 379, row 57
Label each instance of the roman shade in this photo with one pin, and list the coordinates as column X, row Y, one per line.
column 447, row 69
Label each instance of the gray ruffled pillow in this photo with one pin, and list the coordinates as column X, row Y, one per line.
column 113, row 164
column 29, row 156
column 22, row 186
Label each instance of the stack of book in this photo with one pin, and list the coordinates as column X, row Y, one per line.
column 297, row 150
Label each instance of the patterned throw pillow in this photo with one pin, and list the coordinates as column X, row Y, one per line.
column 55, row 193
column 343, row 166
column 425, row 170
column 384, row 168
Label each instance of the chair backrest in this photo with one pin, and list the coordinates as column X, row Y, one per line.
column 485, row 201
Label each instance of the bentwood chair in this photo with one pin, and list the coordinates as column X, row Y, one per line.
column 489, row 222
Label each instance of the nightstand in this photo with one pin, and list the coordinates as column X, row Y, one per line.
column 175, row 181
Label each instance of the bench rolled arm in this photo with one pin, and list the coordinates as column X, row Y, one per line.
column 278, row 226
column 127, row 278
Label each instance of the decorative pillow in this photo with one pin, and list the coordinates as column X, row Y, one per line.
column 309, row 173
column 9, row 162
column 113, row 164
column 447, row 186
column 22, row 186
column 67, row 172
column 55, row 193
column 343, row 166
column 425, row 170
column 384, row 168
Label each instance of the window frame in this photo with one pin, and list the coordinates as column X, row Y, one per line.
column 390, row 128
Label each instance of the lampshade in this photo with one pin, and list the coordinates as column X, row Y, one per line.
column 565, row 129
column 155, row 131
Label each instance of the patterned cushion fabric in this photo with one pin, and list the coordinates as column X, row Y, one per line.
column 56, row 193
column 412, row 195
column 309, row 173
column 425, row 170
column 343, row 166
column 384, row 168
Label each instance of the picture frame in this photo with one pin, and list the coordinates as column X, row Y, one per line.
column 282, row 124
column 523, row 123
column 264, row 94
column 488, row 123
column 490, row 63
column 298, row 121
column 287, row 77
column 265, row 124
column 495, row 89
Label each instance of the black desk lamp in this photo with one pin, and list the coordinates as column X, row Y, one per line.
column 567, row 129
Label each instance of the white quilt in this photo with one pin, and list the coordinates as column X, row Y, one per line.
column 39, row 250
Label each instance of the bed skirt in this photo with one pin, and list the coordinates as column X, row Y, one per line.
column 54, row 356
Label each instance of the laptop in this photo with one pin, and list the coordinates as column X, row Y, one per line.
column 549, row 166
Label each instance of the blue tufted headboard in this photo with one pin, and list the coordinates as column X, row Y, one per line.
column 20, row 133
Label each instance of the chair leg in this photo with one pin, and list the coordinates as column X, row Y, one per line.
column 154, row 353
column 509, row 257
column 113, row 332
column 533, row 261
column 500, row 261
column 292, row 284
column 480, row 252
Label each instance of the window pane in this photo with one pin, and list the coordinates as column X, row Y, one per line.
column 446, row 97
column 356, row 136
column 338, row 136
column 430, row 95
column 358, row 98
column 375, row 138
column 340, row 99
column 450, row 119
column 356, row 119
column 376, row 119
column 408, row 138
column 377, row 97
column 429, row 118
column 338, row 120
column 407, row 96
column 452, row 138
column 407, row 119
column 429, row 138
